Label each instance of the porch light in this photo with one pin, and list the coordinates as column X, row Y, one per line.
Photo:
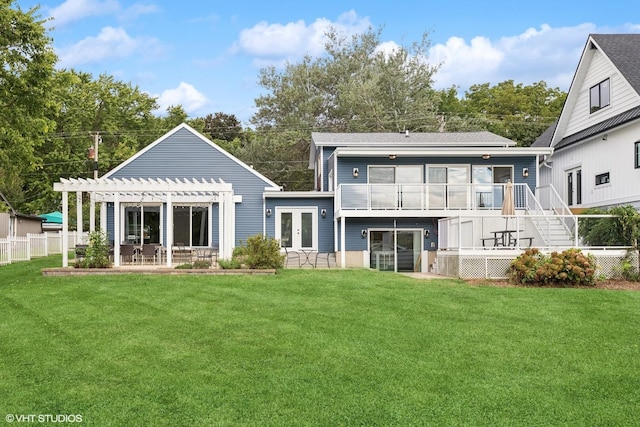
column 392, row 156
column 323, row 213
column 427, row 233
column 364, row 233
column 486, row 156
column 268, row 212
column 525, row 172
column 355, row 172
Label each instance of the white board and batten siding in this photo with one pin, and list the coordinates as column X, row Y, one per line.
column 624, row 185
column 623, row 97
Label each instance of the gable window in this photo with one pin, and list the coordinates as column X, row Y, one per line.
column 636, row 155
column 602, row 178
column 600, row 96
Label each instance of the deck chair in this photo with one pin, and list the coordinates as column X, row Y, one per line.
column 148, row 251
column 129, row 252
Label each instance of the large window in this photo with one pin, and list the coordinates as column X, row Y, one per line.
column 448, row 187
column 637, row 154
column 191, row 225
column 142, row 224
column 599, row 96
column 405, row 190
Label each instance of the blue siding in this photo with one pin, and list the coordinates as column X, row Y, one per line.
column 185, row 155
column 355, row 241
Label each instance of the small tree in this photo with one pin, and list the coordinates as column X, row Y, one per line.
column 97, row 253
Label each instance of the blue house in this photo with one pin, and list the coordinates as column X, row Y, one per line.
column 462, row 204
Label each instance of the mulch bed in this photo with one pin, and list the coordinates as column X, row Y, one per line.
column 604, row 284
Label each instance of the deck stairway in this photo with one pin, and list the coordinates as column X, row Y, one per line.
column 554, row 230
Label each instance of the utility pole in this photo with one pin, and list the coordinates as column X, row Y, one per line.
column 93, row 153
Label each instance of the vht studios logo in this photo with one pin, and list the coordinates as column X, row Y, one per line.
column 43, row 418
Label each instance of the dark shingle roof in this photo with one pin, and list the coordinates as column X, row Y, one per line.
column 624, row 51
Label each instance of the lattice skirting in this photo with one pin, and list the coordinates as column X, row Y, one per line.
column 466, row 266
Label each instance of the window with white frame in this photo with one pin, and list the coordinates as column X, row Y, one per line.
column 636, row 154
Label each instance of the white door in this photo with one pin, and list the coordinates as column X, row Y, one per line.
column 297, row 228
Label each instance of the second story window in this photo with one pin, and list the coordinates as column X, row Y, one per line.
column 599, row 96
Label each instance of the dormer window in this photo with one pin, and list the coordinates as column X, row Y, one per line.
column 600, row 96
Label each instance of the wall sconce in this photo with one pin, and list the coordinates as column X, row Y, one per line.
column 427, row 233
column 323, row 213
column 355, row 172
column 364, row 233
column 392, row 156
column 486, row 156
column 525, row 172
column 604, row 137
column 268, row 212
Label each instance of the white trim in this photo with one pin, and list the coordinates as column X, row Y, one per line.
column 313, row 210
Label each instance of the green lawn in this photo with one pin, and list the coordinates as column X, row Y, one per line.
column 324, row 348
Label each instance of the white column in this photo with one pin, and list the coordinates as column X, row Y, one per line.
column 116, row 229
column 79, row 217
column 65, row 229
column 103, row 217
column 221, row 231
column 343, row 254
column 92, row 212
column 169, row 229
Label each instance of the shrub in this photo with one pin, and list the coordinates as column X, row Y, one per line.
column 260, row 252
column 230, row 264
column 264, row 252
column 97, row 252
column 197, row 265
column 568, row 268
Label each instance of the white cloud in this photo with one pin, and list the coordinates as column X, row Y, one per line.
column 548, row 54
column 186, row 95
column 74, row 10
column 136, row 10
column 278, row 42
column 111, row 43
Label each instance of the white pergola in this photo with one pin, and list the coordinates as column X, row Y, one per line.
column 132, row 190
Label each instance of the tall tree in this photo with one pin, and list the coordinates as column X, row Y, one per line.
column 222, row 126
column 515, row 111
column 356, row 86
column 27, row 59
column 119, row 114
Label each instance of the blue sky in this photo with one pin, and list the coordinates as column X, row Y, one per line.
column 206, row 55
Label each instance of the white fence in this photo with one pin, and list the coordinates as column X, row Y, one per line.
column 13, row 249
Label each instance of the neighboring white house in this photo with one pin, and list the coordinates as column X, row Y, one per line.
column 596, row 140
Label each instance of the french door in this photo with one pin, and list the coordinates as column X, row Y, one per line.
column 297, row 228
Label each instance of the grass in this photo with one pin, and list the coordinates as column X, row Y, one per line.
column 350, row 347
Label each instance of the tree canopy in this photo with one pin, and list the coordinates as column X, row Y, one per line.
column 50, row 117
column 27, row 58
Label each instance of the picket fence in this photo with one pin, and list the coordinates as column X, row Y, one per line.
column 14, row 249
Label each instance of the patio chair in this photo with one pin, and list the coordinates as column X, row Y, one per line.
column 181, row 253
column 291, row 255
column 130, row 252
column 149, row 251
column 325, row 256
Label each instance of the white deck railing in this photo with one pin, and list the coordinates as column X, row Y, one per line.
column 411, row 197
